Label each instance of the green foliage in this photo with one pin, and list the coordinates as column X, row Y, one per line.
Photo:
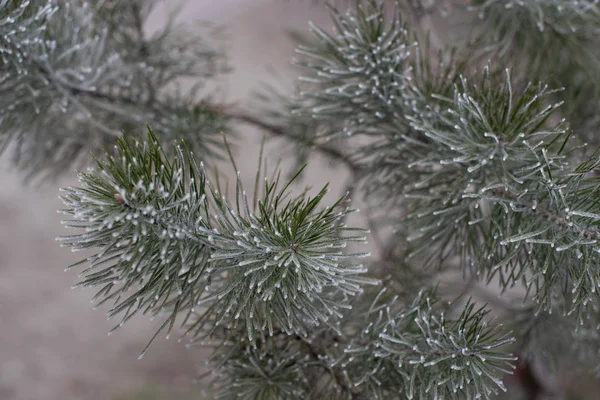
column 68, row 71
column 551, row 40
column 272, row 370
column 394, row 348
column 535, row 24
column 505, row 203
column 357, row 74
column 387, row 163
column 163, row 231
column 482, row 173
column 425, row 353
column 477, row 165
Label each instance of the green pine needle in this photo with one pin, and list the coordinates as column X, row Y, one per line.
column 168, row 241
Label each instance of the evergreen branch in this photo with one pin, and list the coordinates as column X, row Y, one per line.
column 526, row 34
column 390, row 161
column 280, row 131
column 272, row 372
column 532, row 24
column 422, row 353
column 483, row 173
column 397, row 351
column 358, row 73
column 164, row 231
column 131, row 95
column 505, row 197
column 239, row 365
column 75, row 72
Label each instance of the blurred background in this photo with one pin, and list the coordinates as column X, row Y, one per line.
column 53, row 346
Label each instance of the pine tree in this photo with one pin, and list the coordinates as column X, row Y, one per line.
column 482, row 157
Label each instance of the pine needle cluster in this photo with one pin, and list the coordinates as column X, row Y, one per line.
column 87, row 71
column 409, row 348
column 526, row 34
column 168, row 236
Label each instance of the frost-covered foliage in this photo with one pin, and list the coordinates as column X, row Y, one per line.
column 480, row 166
column 274, row 369
column 393, row 348
column 75, row 75
column 360, row 69
column 165, row 232
column 426, row 353
column 485, row 173
column 506, row 199
column 553, row 40
column 530, row 23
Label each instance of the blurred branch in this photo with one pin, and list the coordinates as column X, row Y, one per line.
column 329, row 151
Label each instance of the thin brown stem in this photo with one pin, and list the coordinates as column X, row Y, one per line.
column 329, row 151
column 563, row 223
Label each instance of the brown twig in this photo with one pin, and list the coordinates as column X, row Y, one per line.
column 587, row 232
column 329, row 151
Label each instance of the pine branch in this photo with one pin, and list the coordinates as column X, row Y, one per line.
column 71, row 83
column 553, row 41
column 272, row 371
column 275, row 367
column 389, row 161
column 533, row 24
column 422, row 353
column 367, row 361
column 484, row 173
column 504, row 199
column 165, row 232
column 134, row 98
column 356, row 75
column 279, row 131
